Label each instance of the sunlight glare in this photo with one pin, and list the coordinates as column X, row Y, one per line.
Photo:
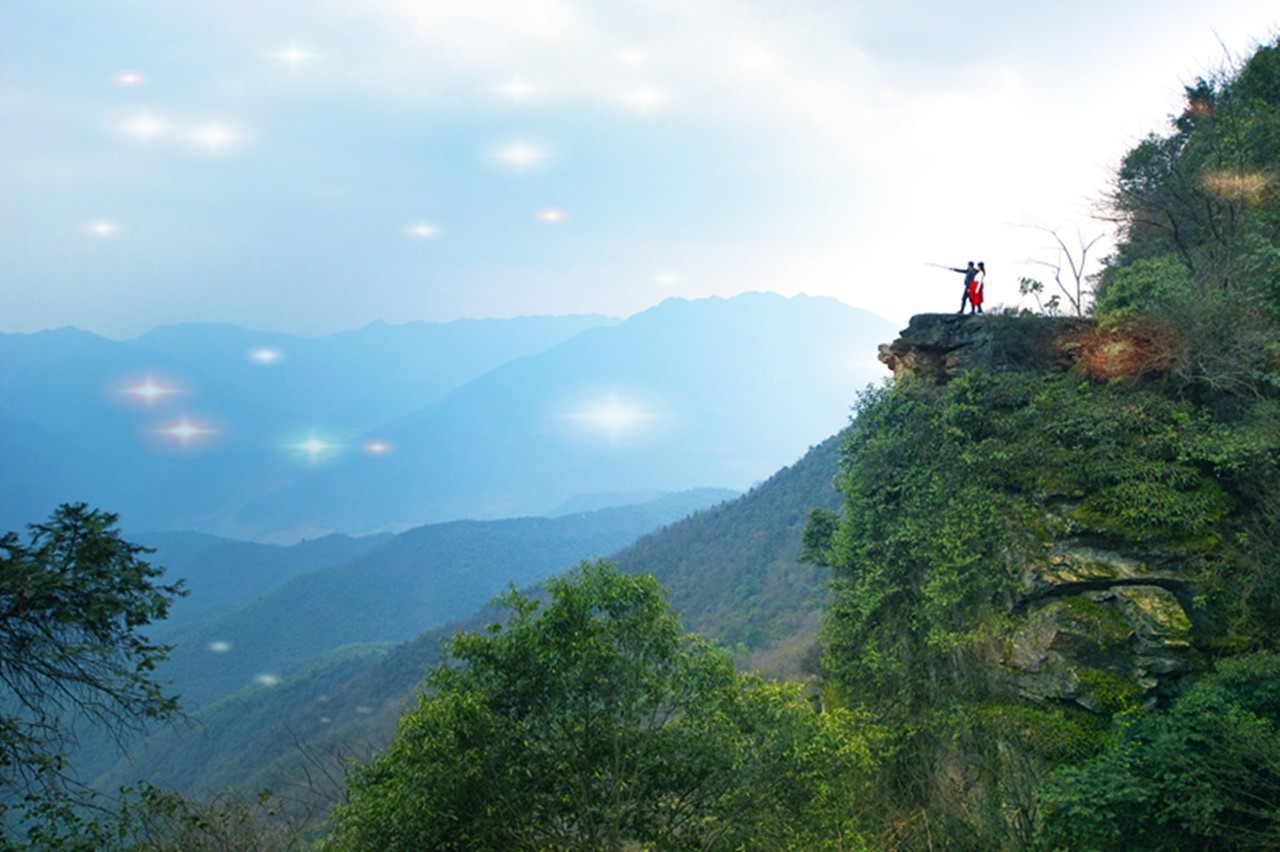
column 1234, row 185
column 313, row 448
column 149, row 390
column 613, row 417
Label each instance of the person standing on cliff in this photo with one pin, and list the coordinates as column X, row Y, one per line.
column 976, row 287
column 970, row 273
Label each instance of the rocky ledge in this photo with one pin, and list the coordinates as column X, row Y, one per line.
column 941, row 346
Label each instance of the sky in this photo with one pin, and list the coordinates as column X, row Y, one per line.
column 311, row 167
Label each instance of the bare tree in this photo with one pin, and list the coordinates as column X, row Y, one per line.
column 1070, row 272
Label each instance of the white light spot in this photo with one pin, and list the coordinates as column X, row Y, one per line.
column 102, row 229
column 551, row 216
column 314, row 448
column 520, row 155
column 215, row 137
column 267, row 680
column 220, row 646
column 145, row 127
column 613, row 417
column 364, row 709
column 185, row 431
column 265, row 355
column 667, row 279
column 294, row 55
column 130, row 79
column 377, row 448
column 149, row 390
column 644, row 100
column 518, row 90
column 422, row 230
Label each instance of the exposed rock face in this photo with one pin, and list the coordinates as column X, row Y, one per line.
column 942, row 346
column 1103, row 629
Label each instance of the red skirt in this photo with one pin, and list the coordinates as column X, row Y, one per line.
column 975, row 293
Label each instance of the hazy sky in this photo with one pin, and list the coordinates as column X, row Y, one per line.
column 314, row 166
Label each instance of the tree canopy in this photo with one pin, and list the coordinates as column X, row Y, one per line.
column 1198, row 255
column 73, row 600
column 595, row 722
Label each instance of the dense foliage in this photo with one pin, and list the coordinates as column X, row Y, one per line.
column 1206, row 774
column 951, row 491
column 1199, row 250
column 593, row 722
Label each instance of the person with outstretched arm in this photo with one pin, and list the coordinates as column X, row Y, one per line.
column 970, row 273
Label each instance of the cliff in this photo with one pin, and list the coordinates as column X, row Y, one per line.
column 943, row 346
column 1099, row 620
column 1048, row 533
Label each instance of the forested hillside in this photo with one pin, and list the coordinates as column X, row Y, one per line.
column 733, row 573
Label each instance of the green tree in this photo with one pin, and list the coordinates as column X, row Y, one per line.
column 595, row 722
column 1203, row 775
column 1199, row 220
column 72, row 603
column 1198, row 192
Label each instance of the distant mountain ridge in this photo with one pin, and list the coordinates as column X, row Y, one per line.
column 73, row 431
column 711, row 392
column 393, row 427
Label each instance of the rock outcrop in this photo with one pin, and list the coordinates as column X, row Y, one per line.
column 1102, row 628
column 942, row 346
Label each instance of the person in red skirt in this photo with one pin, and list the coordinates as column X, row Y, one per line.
column 975, row 289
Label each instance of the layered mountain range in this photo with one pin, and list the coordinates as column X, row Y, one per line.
column 268, row 437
